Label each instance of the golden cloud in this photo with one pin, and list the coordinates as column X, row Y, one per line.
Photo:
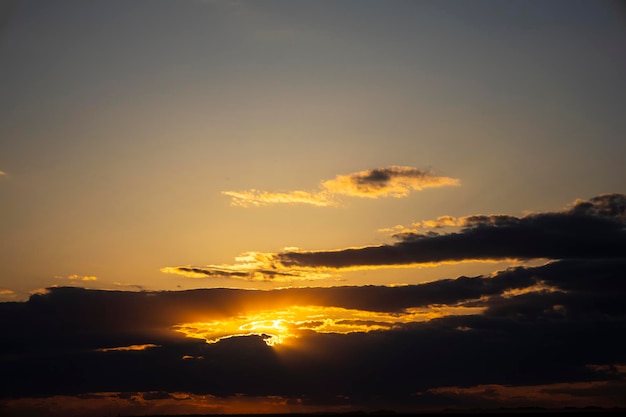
column 252, row 266
column 76, row 277
column 128, row 348
column 394, row 181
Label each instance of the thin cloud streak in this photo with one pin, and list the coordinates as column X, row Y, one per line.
column 394, row 181
column 252, row 266
column 263, row 198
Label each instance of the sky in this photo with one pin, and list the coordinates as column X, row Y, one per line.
column 230, row 206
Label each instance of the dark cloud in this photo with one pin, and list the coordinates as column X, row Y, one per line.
column 590, row 229
column 594, row 228
column 522, row 336
column 561, row 323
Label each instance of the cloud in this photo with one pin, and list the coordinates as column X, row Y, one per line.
column 593, row 228
column 524, row 336
column 77, row 277
column 127, row 348
column 254, row 266
column 2, row 173
column 517, row 336
column 394, row 181
column 7, row 293
column 533, row 397
column 263, row 198
column 82, row 277
column 589, row 229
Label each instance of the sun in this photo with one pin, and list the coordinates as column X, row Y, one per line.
column 276, row 327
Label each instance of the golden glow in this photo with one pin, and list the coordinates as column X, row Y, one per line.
column 278, row 326
column 127, row 348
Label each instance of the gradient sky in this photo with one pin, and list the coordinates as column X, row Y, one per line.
column 164, row 145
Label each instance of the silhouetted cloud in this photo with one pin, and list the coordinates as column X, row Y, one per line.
column 394, row 181
column 554, row 327
column 524, row 336
column 254, row 266
column 587, row 229
column 590, row 228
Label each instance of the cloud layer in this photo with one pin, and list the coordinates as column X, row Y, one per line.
column 594, row 228
column 394, row 181
column 527, row 336
column 545, row 335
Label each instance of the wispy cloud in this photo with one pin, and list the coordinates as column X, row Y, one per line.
column 253, row 266
column 2, row 173
column 77, row 277
column 394, row 181
column 587, row 229
column 253, row 197
column 128, row 348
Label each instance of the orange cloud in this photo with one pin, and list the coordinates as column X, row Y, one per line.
column 279, row 267
column 394, row 181
column 257, row 198
column 573, row 394
column 7, row 293
column 127, row 348
column 83, row 277
column 254, row 266
column 77, row 277
column 146, row 403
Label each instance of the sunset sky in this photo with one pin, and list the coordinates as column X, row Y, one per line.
column 292, row 206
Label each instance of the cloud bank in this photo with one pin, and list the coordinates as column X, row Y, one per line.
column 594, row 228
column 548, row 336
column 394, row 181
column 522, row 337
